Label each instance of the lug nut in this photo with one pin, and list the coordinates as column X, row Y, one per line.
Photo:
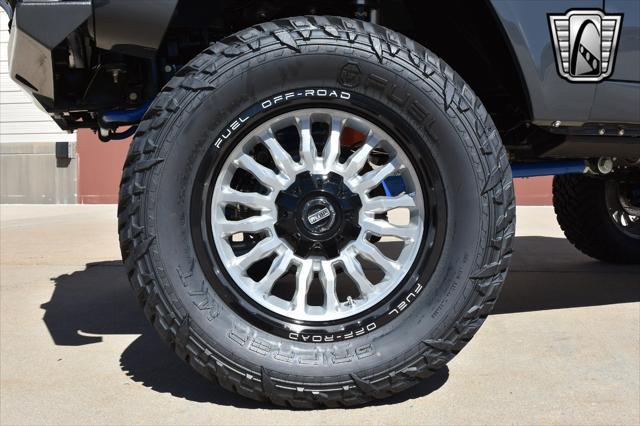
column 601, row 132
column 621, row 132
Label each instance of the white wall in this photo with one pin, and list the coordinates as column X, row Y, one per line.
column 30, row 172
column 20, row 119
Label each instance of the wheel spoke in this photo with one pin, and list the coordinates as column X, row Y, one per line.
column 634, row 227
column 384, row 204
column 249, row 199
column 264, row 175
column 280, row 156
column 627, row 219
column 371, row 252
column 250, row 224
column 261, row 250
column 358, row 159
column 331, row 150
column 353, row 268
column 278, row 268
column 383, row 228
column 616, row 215
column 328, row 280
column 308, row 151
column 304, row 275
column 368, row 181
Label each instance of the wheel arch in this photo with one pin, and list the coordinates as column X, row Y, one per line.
column 469, row 36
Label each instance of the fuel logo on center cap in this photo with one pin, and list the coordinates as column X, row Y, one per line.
column 585, row 43
column 318, row 216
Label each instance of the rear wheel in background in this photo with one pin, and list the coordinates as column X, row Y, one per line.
column 317, row 211
column 599, row 216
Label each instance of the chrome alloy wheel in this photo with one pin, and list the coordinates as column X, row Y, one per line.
column 306, row 195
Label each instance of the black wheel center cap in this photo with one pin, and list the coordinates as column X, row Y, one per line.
column 318, row 215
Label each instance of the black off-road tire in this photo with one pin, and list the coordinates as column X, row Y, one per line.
column 395, row 74
column 581, row 209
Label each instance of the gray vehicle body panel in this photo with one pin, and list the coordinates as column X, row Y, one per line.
column 628, row 62
column 551, row 97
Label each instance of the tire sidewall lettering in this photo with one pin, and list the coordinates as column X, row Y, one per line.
column 229, row 132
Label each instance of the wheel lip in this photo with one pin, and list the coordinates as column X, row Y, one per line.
column 209, row 263
column 406, row 262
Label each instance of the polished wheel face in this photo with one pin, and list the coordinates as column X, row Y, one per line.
column 317, row 214
column 623, row 204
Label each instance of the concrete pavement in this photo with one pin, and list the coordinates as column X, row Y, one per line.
column 562, row 348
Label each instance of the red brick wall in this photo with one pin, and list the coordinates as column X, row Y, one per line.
column 99, row 168
column 100, row 165
column 533, row 191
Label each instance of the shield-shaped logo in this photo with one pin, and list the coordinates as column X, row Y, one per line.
column 585, row 43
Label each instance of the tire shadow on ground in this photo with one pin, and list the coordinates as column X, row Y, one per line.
column 98, row 301
column 547, row 273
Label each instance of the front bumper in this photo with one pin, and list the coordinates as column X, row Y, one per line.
column 38, row 27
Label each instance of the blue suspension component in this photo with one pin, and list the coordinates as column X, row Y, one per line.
column 123, row 117
column 124, row 134
column 552, row 168
column 393, row 185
